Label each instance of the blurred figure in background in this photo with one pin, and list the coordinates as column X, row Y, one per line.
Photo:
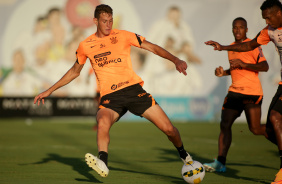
column 172, row 33
column 19, row 81
column 58, row 32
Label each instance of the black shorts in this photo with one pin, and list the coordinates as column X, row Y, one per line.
column 276, row 104
column 133, row 99
column 238, row 101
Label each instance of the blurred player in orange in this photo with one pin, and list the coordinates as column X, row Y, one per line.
column 120, row 87
column 244, row 94
column 272, row 13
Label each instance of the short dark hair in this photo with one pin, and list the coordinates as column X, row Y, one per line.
column 102, row 8
column 271, row 3
column 240, row 18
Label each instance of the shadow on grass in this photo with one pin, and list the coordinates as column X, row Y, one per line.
column 80, row 167
column 176, row 180
column 170, row 155
column 77, row 165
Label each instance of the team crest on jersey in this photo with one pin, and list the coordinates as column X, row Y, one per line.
column 114, row 40
column 102, row 45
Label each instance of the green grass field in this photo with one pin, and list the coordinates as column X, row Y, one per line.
column 52, row 151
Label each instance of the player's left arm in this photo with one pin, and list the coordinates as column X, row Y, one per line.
column 258, row 67
column 180, row 65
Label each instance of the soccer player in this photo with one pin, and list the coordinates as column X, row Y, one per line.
column 272, row 13
column 244, row 94
column 120, row 87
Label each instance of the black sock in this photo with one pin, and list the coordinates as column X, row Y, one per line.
column 182, row 152
column 104, row 157
column 280, row 154
column 221, row 159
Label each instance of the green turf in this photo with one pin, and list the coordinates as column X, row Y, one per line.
column 52, row 151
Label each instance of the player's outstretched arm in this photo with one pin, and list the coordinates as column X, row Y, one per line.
column 240, row 47
column 215, row 45
column 71, row 74
column 180, row 65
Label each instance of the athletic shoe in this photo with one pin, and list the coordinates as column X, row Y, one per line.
column 187, row 159
column 96, row 164
column 215, row 166
column 278, row 179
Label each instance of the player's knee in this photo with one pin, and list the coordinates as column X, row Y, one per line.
column 170, row 131
column 225, row 125
column 103, row 124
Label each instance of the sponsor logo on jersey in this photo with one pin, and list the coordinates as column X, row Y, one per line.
column 102, row 45
column 122, row 83
column 102, row 55
column 104, row 61
column 114, row 86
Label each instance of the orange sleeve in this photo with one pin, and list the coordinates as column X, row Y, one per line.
column 80, row 55
column 134, row 39
column 263, row 37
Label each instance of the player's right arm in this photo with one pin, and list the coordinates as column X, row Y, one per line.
column 180, row 65
column 71, row 74
column 240, row 47
column 258, row 67
column 219, row 72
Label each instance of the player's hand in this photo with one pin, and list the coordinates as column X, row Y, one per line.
column 219, row 71
column 216, row 45
column 181, row 66
column 40, row 97
column 236, row 63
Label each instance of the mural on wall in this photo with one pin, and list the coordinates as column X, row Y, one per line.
column 37, row 46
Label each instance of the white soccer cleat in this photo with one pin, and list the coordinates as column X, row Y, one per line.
column 187, row 159
column 96, row 164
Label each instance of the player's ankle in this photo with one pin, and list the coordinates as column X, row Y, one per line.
column 104, row 157
column 182, row 152
column 221, row 159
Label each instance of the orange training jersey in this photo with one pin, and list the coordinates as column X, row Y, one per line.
column 270, row 34
column 246, row 81
column 110, row 59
